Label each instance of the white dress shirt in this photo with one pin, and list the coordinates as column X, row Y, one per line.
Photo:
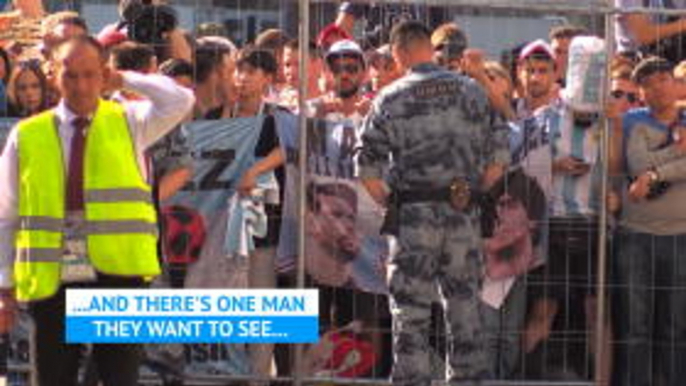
column 166, row 105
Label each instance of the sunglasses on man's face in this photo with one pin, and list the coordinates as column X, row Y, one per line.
column 352, row 69
column 631, row 97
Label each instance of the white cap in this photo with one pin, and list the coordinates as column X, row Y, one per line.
column 345, row 47
column 537, row 47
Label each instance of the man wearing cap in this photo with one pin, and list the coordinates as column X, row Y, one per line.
column 446, row 144
column 330, row 35
column 649, row 263
column 346, row 65
column 559, row 144
column 344, row 108
column 542, row 147
column 537, row 75
column 76, row 205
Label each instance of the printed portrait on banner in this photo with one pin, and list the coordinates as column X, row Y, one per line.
column 343, row 245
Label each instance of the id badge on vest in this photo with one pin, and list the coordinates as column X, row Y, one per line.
column 75, row 264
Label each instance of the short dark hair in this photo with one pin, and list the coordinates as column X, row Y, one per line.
column 257, row 58
column 208, row 57
column 651, row 66
column 408, row 32
column 272, row 40
column 176, row 67
column 85, row 40
column 567, row 31
column 335, row 189
column 132, row 56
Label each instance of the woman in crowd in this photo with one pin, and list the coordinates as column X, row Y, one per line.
column 27, row 90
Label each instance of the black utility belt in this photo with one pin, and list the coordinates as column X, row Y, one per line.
column 458, row 194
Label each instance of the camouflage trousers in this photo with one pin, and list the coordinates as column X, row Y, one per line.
column 438, row 258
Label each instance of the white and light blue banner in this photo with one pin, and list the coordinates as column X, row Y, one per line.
column 184, row 316
column 194, row 239
column 343, row 242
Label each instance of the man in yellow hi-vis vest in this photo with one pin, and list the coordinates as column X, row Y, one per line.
column 75, row 204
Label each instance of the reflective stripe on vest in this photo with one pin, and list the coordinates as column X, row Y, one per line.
column 120, row 220
column 28, row 250
column 118, row 195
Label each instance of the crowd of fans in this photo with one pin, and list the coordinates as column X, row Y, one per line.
column 644, row 109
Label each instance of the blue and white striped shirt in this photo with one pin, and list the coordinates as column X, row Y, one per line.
column 574, row 196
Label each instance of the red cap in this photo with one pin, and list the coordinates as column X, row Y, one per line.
column 331, row 30
column 539, row 48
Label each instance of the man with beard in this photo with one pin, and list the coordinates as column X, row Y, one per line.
column 345, row 106
column 537, row 75
column 347, row 67
column 529, row 145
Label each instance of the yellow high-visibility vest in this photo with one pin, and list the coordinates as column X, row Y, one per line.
column 121, row 224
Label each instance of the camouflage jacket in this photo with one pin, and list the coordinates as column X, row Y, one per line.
column 430, row 127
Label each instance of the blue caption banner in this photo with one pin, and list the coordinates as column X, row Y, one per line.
column 192, row 316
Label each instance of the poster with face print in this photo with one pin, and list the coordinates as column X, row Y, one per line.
column 515, row 214
column 345, row 255
column 343, row 244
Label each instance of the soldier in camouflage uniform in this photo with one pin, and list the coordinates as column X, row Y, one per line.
column 443, row 139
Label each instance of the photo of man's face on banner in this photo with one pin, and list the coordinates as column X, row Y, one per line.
column 343, row 244
column 345, row 254
column 512, row 225
column 333, row 241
